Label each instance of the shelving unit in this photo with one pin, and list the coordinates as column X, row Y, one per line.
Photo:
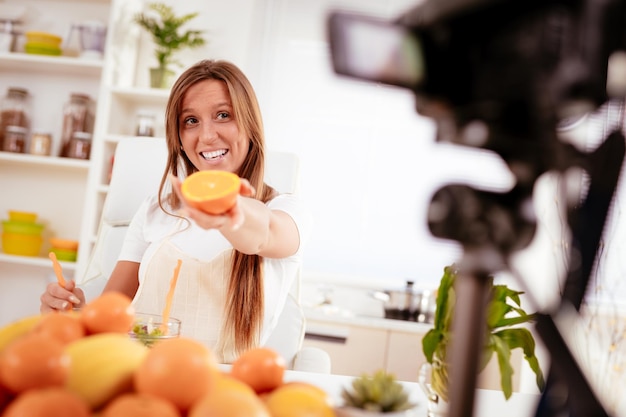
column 53, row 187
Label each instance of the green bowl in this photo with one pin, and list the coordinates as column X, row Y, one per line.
column 67, row 255
column 24, row 228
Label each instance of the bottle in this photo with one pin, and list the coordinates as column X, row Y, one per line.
column 145, row 124
column 77, row 117
column 40, row 143
column 15, row 110
column 14, row 139
column 79, row 146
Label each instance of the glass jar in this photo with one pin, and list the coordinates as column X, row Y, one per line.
column 79, row 146
column 15, row 110
column 40, row 143
column 14, row 139
column 145, row 124
column 77, row 117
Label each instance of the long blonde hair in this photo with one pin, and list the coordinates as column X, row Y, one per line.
column 245, row 303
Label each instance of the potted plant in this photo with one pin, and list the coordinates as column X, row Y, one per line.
column 504, row 315
column 376, row 394
column 166, row 30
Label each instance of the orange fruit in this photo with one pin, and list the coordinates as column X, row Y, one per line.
column 61, row 326
column 5, row 398
column 229, row 403
column 212, row 191
column 139, row 405
column 110, row 312
column 34, row 361
column 179, row 370
column 314, row 388
column 230, row 383
column 48, row 402
column 298, row 400
column 261, row 368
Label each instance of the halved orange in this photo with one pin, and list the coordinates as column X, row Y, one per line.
column 212, row 191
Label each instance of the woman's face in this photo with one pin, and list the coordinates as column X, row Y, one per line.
column 209, row 132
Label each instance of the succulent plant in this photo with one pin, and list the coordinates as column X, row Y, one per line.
column 379, row 392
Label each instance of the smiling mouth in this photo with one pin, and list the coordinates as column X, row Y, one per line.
column 209, row 156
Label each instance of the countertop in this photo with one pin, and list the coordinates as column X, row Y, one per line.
column 335, row 316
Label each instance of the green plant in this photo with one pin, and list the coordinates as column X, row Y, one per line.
column 503, row 334
column 167, row 33
column 380, row 392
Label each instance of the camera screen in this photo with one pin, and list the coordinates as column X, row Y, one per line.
column 373, row 49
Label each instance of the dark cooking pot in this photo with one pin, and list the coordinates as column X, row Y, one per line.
column 408, row 303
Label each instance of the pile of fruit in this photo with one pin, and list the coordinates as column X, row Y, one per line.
column 84, row 364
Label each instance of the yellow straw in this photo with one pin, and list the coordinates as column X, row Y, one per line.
column 170, row 296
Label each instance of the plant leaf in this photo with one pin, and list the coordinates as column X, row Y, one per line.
column 430, row 341
column 503, row 353
column 523, row 338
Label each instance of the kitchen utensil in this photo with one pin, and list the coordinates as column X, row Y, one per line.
column 66, row 244
column 66, row 255
column 92, row 36
column 21, row 244
column 25, row 228
column 149, row 328
column 408, row 303
column 22, row 216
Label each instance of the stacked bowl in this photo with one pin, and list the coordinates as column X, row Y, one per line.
column 42, row 43
column 21, row 234
column 64, row 249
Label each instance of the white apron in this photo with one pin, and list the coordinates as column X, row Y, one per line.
column 199, row 295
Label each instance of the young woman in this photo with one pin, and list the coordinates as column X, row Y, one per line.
column 237, row 268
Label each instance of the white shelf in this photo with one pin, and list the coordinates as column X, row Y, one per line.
column 47, row 161
column 30, row 63
column 36, row 261
column 142, row 96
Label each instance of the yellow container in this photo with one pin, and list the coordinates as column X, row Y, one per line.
column 21, row 244
column 22, row 216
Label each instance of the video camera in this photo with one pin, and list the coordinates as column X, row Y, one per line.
column 503, row 75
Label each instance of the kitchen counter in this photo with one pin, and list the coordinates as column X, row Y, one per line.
column 334, row 315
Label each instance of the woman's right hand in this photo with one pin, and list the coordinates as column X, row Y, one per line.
column 58, row 298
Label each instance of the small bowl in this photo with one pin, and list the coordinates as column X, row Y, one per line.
column 65, row 244
column 23, row 228
column 65, row 254
column 22, row 216
column 147, row 328
column 21, row 244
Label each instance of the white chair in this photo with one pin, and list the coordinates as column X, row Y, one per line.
column 137, row 170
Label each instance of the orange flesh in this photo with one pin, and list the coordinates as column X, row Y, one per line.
column 212, row 191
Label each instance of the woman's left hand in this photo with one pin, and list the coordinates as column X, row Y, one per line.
column 233, row 218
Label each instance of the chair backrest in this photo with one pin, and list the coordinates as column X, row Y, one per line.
column 137, row 170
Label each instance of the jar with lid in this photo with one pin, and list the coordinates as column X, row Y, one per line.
column 15, row 110
column 40, row 143
column 79, row 146
column 77, row 117
column 14, row 139
column 145, row 124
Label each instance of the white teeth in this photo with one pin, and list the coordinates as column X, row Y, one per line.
column 214, row 154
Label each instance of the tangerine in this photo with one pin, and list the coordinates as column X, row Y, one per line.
column 112, row 311
column 212, row 191
column 229, row 403
column 47, row 402
column 230, row 383
column 61, row 326
column 298, row 400
column 261, row 368
column 179, row 370
column 139, row 405
column 34, row 361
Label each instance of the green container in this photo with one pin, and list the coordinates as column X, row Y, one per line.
column 24, row 228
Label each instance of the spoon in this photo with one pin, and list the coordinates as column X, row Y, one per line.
column 170, row 296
